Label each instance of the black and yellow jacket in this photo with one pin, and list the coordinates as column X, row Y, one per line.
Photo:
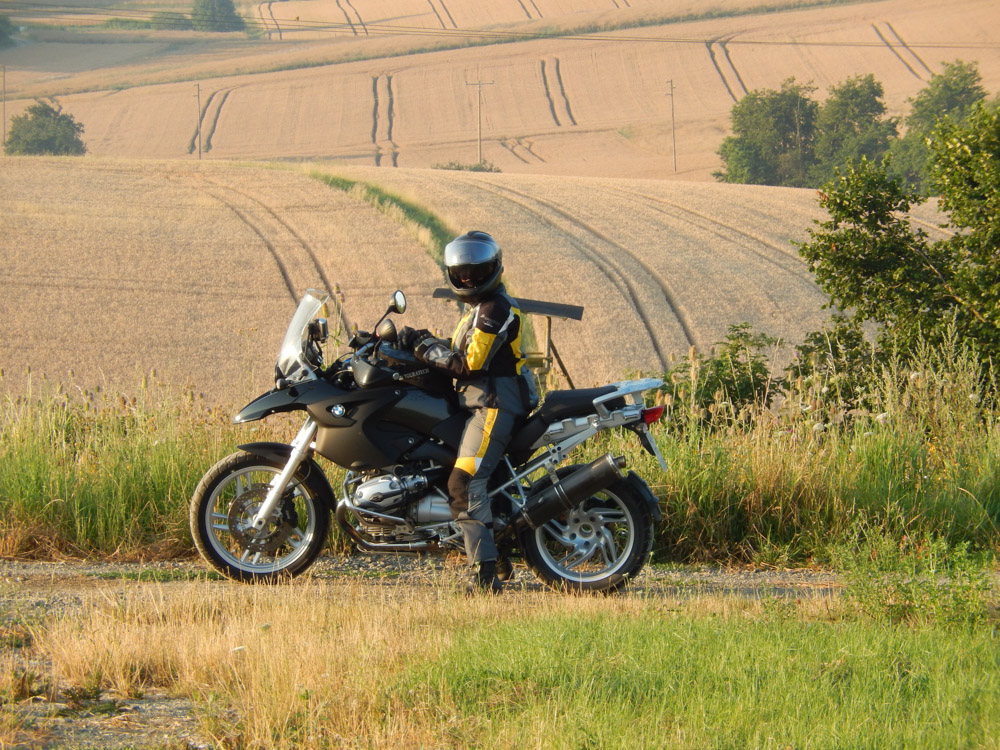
column 485, row 356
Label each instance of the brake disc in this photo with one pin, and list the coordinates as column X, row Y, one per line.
column 274, row 534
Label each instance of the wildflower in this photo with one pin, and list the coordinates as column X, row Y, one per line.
column 819, row 427
column 882, row 418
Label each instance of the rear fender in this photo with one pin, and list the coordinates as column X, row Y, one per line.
column 639, row 485
column 280, row 453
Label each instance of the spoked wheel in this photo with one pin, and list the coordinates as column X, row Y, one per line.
column 597, row 546
column 222, row 512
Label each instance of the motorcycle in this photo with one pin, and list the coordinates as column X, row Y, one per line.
column 264, row 512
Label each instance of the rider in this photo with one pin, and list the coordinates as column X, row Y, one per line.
column 486, row 359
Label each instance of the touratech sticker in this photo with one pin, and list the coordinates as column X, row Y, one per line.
column 418, row 373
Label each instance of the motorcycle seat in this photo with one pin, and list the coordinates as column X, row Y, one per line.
column 559, row 405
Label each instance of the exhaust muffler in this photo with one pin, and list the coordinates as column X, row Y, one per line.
column 569, row 491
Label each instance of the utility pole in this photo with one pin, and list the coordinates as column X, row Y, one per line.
column 480, row 85
column 197, row 88
column 673, row 129
column 4, row 104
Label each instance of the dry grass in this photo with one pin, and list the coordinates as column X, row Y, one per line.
column 317, row 663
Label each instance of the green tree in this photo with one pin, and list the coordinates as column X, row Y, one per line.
column 851, row 124
column 772, row 140
column 870, row 260
column 216, row 15
column 950, row 95
column 44, row 129
column 6, row 31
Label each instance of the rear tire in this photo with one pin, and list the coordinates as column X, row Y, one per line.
column 598, row 546
column 225, row 502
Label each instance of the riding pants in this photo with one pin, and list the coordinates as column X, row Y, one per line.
column 483, row 444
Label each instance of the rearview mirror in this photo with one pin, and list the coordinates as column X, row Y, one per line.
column 398, row 302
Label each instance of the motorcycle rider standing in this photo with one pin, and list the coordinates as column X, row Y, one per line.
column 486, row 358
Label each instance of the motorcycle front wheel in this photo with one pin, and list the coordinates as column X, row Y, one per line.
column 227, row 499
column 598, row 546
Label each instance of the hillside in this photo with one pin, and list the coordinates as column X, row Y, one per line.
column 115, row 268
column 585, row 90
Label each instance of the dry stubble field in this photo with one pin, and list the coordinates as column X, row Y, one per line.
column 115, row 268
column 577, row 104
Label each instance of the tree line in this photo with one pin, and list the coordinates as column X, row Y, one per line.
column 785, row 137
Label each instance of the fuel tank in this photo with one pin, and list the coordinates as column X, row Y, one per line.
column 378, row 427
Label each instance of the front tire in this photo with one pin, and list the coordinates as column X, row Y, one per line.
column 225, row 502
column 599, row 546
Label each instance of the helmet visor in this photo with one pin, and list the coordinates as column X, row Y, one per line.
column 471, row 275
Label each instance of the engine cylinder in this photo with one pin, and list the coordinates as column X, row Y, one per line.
column 570, row 491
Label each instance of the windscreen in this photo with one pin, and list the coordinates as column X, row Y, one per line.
column 291, row 360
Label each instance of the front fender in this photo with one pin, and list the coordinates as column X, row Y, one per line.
column 279, row 453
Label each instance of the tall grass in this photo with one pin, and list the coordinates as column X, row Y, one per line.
column 94, row 472
column 90, row 471
column 790, row 482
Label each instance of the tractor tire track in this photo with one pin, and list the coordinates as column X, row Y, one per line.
column 207, row 137
column 778, row 257
column 304, row 244
column 528, row 12
column 562, row 93
column 284, row 258
column 895, row 51
column 383, row 119
column 548, row 96
column 357, row 15
column 731, row 65
column 728, row 74
column 209, row 101
column 588, row 240
column 265, row 22
column 905, row 46
column 347, row 18
column 558, row 102
column 516, row 146
column 446, row 12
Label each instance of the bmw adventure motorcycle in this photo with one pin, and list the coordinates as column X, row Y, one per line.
column 264, row 512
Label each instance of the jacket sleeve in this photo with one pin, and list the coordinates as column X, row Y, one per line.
column 472, row 357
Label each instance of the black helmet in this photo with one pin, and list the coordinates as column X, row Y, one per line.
column 474, row 263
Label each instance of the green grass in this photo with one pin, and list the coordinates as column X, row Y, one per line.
column 427, row 227
column 657, row 680
column 96, row 472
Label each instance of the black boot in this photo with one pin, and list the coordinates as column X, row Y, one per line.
column 485, row 580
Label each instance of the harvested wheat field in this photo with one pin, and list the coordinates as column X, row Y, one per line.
column 582, row 102
column 115, row 268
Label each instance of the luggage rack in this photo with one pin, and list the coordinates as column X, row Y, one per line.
column 540, row 361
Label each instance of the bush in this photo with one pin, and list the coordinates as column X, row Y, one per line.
column 483, row 166
column 44, row 129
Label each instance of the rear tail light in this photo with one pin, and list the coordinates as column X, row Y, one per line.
column 652, row 414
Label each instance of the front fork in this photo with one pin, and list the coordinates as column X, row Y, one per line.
column 300, row 450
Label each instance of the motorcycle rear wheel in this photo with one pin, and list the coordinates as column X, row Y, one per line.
column 599, row 546
column 224, row 504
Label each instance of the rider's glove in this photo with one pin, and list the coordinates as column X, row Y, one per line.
column 408, row 337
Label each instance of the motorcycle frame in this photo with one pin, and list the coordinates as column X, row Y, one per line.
column 575, row 431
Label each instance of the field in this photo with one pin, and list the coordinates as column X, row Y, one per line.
column 116, row 268
column 570, row 88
